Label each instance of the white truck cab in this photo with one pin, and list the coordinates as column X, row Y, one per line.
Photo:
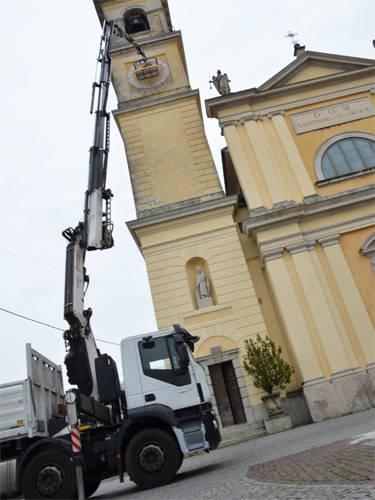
column 154, row 373
column 162, row 378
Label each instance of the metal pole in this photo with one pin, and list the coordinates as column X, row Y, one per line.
column 77, row 457
column 72, row 419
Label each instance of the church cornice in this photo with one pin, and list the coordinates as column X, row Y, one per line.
column 269, row 111
column 312, row 206
column 255, row 95
column 127, row 106
column 185, row 208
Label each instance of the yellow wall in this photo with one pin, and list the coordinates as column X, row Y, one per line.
column 159, row 140
column 360, row 266
column 314, row 297
column 237, row 314
column 308, row 143
column 169, row 52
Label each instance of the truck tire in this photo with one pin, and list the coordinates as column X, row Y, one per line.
column 152, row 458
column 50, row 474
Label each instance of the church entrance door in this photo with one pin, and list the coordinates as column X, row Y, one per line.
column 227, row 394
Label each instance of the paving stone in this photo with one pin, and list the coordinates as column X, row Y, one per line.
column 341, row 462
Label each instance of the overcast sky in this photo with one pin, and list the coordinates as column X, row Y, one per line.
column 48, row 62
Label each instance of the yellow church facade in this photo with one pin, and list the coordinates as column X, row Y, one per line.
column 287, row 250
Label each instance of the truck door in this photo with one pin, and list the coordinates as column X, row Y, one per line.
column 165, row 379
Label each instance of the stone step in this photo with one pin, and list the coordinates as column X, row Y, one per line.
column 243, row 432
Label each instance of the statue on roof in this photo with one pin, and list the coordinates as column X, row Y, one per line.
column 221, row 82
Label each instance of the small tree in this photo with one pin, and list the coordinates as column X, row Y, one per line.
column 264, row 362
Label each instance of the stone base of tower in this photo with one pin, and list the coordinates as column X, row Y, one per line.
column 346, row 392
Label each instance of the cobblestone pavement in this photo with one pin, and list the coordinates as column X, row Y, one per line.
column 340, row 462
column 296, row 464
column 345, row 469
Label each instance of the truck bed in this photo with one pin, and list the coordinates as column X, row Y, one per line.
column 26, row 406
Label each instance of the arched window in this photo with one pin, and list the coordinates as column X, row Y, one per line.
column 368, row 249
column 345, row 154
column 136, row 21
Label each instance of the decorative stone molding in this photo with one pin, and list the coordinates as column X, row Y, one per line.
column 261, row 218
column 272, row 254
column 326, row 234
column 275, row 113
column 368, row 249
column 329, row 240
column 228, row 123
column 301, row 246
column 213, row 106
column 217, row 354
column 253, row 118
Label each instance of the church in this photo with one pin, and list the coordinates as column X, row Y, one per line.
column 288, row 249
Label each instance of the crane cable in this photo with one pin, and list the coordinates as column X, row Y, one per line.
column 48, row 325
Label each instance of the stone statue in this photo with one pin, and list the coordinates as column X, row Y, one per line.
column 221, row 83
column 203, row 290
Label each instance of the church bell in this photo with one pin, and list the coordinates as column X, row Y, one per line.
column 136, row 23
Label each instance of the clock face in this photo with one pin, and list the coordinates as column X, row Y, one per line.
column 70, row 397
column 148, row 83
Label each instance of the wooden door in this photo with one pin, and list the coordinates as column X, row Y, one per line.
column 233, row 393
column 221, row 395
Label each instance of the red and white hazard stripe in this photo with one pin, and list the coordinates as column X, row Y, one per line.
column 76, row 439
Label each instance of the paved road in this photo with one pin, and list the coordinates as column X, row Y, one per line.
column 229, row 473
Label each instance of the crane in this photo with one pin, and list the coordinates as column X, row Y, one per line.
column 94, row 373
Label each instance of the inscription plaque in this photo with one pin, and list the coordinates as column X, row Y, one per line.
column 334, row 114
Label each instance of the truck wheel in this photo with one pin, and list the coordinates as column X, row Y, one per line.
column 152, row 458
column 91, row 485
column 50, row 474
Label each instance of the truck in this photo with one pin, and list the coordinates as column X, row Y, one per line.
column 57, row 444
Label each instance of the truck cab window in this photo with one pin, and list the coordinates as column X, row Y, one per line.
column 157, row 357
column 162, row 362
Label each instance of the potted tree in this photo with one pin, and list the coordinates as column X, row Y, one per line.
column 269, row 370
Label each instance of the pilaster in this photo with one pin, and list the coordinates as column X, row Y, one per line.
column 303, row 180
column 266, row 160
column 245, row 175
column 286, row 296
column 357, row 321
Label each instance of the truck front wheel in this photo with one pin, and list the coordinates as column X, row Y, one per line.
column 152, row 458
column 50, row 474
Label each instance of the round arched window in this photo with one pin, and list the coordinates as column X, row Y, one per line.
column 345, row 155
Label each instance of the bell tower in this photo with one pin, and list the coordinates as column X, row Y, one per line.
column 159, row 115
column 185, row 226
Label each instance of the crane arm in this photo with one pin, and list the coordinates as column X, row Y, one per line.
column 94, row 373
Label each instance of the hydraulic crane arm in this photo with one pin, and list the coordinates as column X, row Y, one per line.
column 95, row 374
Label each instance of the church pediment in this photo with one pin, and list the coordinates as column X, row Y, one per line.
column 315, row 65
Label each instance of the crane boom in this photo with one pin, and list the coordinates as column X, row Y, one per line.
column 87, row 368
